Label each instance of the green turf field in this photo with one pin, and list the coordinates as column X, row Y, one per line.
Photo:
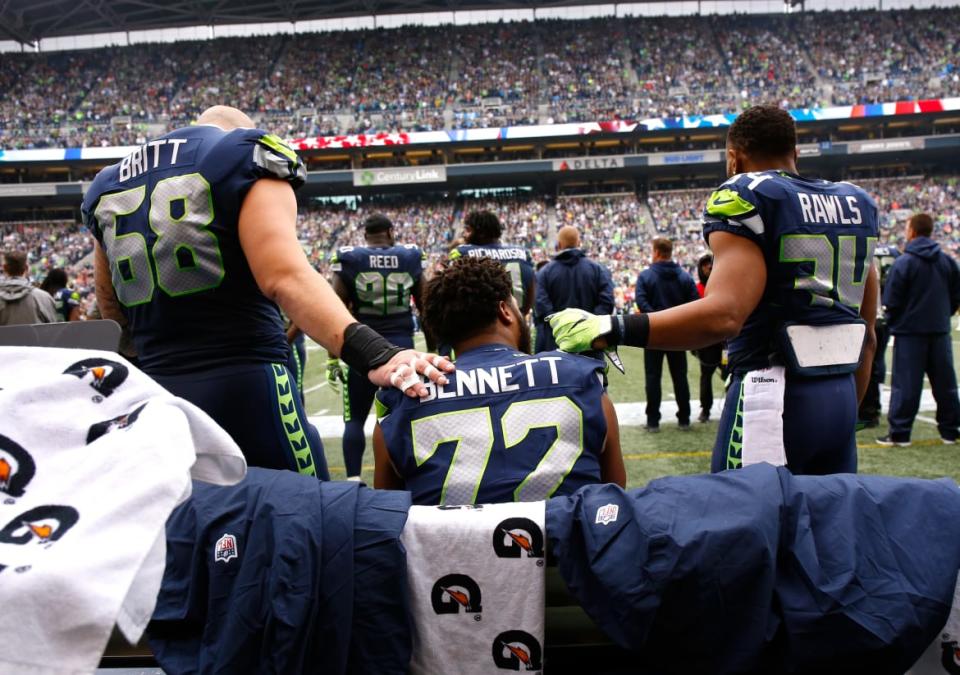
column 648, row 456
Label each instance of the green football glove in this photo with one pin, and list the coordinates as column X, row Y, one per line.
column 335, row 374
column 574, row 330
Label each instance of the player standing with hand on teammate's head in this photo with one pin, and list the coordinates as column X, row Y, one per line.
column 792, row 289
column 196, row 248
column 509, row 426
column 376, row 282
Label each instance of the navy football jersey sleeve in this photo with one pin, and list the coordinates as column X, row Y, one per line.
column 817, row 239
column 167, row 216
column 380, row 281
column 507, row 427
column 64, row 301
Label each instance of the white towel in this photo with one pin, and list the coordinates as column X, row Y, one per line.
column 94, row 455
column 476, row 579
column 763, row 416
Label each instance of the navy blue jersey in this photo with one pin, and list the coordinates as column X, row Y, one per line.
column 380, row 280
column 166, row 216
column 507, row 427
column 65, row 300
column 817, row 239
column 516, row 259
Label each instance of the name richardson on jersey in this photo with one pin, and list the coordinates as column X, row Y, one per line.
column 830, row 209
column 498, row 253
column 529, row 373
column 383, row 261
column 150, row 156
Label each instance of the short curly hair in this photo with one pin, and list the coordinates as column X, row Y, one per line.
column 764, row 131
column 485, row 225
column 462, row 298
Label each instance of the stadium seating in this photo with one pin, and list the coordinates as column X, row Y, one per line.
column 427, row 78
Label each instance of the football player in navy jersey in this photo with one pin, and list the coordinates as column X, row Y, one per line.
column 66, row 300
column 376, row 282
column 508, row 426
column 196, row 248
column 481, row 232
column 794, row 291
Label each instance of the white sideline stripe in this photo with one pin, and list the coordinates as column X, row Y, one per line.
column 315, row 387
column 928, row 420
column 629, row 414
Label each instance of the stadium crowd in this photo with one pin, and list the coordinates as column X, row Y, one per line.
column 427, row 78
column 616, row 229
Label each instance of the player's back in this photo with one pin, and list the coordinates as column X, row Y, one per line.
column 507, row 427
column 817, row 239
column 516, row 259
column 380, row 281
column 167, row 219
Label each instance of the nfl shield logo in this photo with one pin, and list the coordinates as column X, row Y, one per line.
column 226, row 548
column 607, row 514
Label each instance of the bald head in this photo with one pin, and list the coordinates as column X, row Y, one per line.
column 568, row 237
column 226, row 118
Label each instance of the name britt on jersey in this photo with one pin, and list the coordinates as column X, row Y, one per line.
column 496, row 380
column 138, row 161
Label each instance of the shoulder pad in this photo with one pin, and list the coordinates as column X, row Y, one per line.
column 273, row 156
column 455, row 253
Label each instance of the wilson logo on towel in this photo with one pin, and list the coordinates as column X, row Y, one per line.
column 103, row 375
column 42, row 524
column 517, row 650
column 225, row 549
column 16, row 467
column 455, row 592
column 122, row 422
column 514, row 536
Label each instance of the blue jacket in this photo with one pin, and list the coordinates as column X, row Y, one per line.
column 922, row 290
column 759, row 571
column 570, row 280
column 283, row 573
column 664, row 285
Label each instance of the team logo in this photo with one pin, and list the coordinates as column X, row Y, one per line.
column 607, row 514
column 16, row 468
column 225, row 549
column 517, row 650
column 513, row 536
column 455, row 592
column 42, row 524
column 122, row 422
column 104, row 376
column 950, row 656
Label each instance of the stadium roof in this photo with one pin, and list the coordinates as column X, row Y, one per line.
column 27, row 21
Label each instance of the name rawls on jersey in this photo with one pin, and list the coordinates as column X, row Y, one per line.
column 529, row 373
column 498, row 253
column 830, row 209
column 149, row 156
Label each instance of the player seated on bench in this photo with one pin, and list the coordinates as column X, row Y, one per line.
column 508, row 426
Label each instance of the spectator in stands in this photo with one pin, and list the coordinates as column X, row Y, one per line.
column 571, row 280
column 922, row 293
column 663, row 285
column 20, row 301
column 470, row 305
column 711, row 358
